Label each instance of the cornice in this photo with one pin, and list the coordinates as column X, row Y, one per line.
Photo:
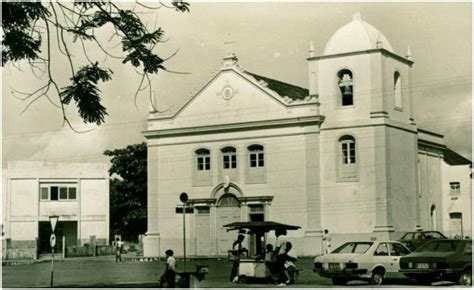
column 245, row 126
column 381, row 50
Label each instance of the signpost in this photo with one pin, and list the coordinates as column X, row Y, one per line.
column 52, row 241
column 183, row 197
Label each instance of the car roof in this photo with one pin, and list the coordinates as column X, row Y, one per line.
column 376, row 241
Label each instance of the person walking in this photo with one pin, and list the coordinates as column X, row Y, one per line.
column 237, row 250
column 169, row 276
column 327, row 242
column 118, row 250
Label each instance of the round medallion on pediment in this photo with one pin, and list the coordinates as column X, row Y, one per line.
column 227, row 92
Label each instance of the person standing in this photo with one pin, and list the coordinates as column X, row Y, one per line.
column 237, row 250
column 327, row 242
column 118, row 250
column 169, row 276
column 280, row 253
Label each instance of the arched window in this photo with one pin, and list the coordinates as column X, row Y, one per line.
column 346, row 87
column 397, row 90
column 256, row 156
column 228, row 200
column 348, row 149
column 203, row 159
column 229, row 158
column 347, row 158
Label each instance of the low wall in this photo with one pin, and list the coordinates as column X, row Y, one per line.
column 19, row 250
column 89, row 251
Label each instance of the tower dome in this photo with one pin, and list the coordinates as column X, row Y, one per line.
column 356, row 35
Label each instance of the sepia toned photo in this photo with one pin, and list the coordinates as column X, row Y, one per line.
column 236, row 144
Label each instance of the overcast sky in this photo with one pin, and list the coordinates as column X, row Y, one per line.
column 272, row 39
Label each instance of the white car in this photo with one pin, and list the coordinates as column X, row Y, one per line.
column 372, row 261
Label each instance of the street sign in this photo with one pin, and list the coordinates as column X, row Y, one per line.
column 179, row 209
column 183, row 197
column 53, row 220
column 52, row 240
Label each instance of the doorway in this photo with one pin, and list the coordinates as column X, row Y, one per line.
column 256, row 244
column 63, row 229
column 228, row 211
column 455, row 225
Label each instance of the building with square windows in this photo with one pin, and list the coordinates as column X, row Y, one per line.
column 78, row 193
column 346, row 154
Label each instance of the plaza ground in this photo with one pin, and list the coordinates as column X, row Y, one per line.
column 104, row 272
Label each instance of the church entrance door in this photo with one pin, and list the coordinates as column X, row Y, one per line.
column 228, row 211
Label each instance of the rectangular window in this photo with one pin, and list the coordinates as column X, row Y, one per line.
column 63, row 193
column 72, row 193
column 455, row 188
column 44, row 193
column 54, row 193
column 256, row 208
column 58, row 192
column 203, row 210
column 257, row 160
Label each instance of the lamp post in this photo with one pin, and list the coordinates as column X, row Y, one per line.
column 52, row 240
column 183, row 197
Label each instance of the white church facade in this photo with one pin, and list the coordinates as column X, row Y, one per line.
column 344, row 155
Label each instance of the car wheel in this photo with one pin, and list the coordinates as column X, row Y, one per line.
column 377, row 277
column 466, row 278
column 243, row 279
column 339, row 281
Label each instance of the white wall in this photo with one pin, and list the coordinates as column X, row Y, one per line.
column 23, row 209
column 457, row 203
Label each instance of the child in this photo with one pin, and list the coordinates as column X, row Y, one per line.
column 118, row 250
column 169, row 275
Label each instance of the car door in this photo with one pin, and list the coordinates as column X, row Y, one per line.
column 397, row 250
column 381, row 256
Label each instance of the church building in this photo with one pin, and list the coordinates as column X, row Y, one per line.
column 346, row 155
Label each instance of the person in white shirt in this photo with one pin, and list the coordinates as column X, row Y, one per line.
column 290, row 262
column 118, row 250
column 169, row 276
column 326, row 242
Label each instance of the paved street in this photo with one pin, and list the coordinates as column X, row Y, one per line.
column 103, row 272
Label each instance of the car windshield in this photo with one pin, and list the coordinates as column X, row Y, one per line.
column 439, row 246
column 356, row 248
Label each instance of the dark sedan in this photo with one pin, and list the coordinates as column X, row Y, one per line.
column 449, row 260
column 415, row 239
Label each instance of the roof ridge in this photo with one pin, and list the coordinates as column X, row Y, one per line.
column 264, row 77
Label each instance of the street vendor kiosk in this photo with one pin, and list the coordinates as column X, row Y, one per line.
column 256, row 267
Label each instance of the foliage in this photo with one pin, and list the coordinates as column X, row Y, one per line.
column 30, row 26
column 128, row 191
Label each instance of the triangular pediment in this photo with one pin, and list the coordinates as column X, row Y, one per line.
column 235, row 96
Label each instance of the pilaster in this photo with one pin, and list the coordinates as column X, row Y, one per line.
column 151, row 241
column 382, row 181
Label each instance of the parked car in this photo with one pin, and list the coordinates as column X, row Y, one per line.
column 440, row 260
column 372, row 261
column 415, row 239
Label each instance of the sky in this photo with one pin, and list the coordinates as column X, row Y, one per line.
column 271, row 39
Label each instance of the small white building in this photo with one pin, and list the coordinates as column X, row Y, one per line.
column 33, row 191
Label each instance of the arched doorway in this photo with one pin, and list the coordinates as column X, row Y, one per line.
column 228, row 211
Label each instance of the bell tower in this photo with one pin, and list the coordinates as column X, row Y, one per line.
column 368, row 140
